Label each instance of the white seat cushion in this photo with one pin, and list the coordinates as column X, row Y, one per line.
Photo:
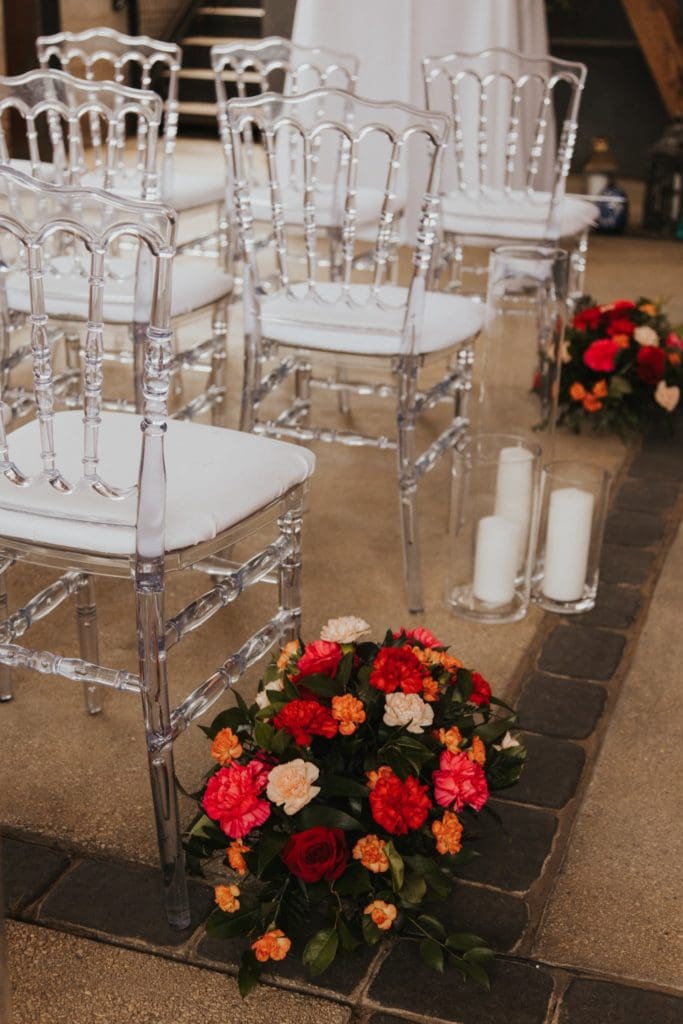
column 513, row 215
column 196, row 283
column 368, row 205
column 332, row 324
column 203, row 185
column 215, row 479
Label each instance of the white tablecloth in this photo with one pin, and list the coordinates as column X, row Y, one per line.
column 390, row 37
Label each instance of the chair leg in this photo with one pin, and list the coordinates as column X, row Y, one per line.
column 86, row 616
column 461, row 410
column 577, row 269
column 138, row 338
column 72, row 353
column 249, row 385
column 149, row 599
column 5, row 673
column 302, row 389
column 408, row 484
column 290, row 571
column 219, row 359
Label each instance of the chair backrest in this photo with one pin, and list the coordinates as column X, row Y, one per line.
column 390, row 135
column 130, row 60
column 278, row 65
column 85, row 126
column 503, row 106
column 32, row 214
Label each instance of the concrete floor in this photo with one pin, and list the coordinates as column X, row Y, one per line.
column 616, row 906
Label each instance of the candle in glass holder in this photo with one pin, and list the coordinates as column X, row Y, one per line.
column 568, row 538
column 496, row 560
column 514, row 484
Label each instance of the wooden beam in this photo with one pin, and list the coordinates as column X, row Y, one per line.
column 654, row 29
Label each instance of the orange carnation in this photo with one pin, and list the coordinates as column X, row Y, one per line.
column 382, row 772
column 235, row 859
column 287, row 652
column 600, row 389
column 622, row 340
column 448, row 833
column 227, row 897
column 383, row 914
column 274, row 945
column 592, row 404
column 349, row 712
column 431, row 689
column 451, row 738
column 450, row 663
column 674, row 358
column 577, row 391
column 477, row 751
column 226, row 747
column 370, row 852
column 648, row 308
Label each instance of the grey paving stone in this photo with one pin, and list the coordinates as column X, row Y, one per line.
column 658, row 462
column 620, row 564
column 634, row 529
column 647, row 495
column 342, row 977
column 122, row 900
column 581, row 652
column 497, row 916
column 551, row 773
column 27, row 870
column 513, row 843
column 615, row 607
column 587, row 1001
column 560, row 707
column 520, row 992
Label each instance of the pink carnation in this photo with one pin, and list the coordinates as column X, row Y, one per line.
column 601, row 356
column 232, row 798
column 673, row 340
column 420, row 635
column 459, row 781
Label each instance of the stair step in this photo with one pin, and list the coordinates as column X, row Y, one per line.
column 214, row 21
column 213, row 40
column 235, row 11
column 187, row 108
column 207, row 75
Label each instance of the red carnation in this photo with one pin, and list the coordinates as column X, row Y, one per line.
column 621, row 325
column 587, row 319
column 459, row 781
column 481, row 691
column 304, row 719
column 419, row 635
column 618, row 307
column 232, row 797
column 397, row 667
column 397, row 806
column 316, row 853
column 651, row 361
column 601, row 355
column 322, row 657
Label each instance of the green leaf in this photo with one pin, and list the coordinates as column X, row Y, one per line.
column 263, row 734
column 280, row 741
column 228, row 926
column 477, row 974
column 396, row 865
column 269, row 847
column 462, row 941
column 618, row 387
column 249, row 973
column 492, row 731
column 464, row 683
column 479, row 955
column 322, row 685
column 355, row 881
column 205, row 828
column 341, row 785
column 347, row 939
column 320, row 951
column 439, row 883
column 432, row 925
column 242, row 705
column 344, row 671
column 432, row 954
column 371, row 933
column 330, row 817
column 231, row 718
column 414, row 889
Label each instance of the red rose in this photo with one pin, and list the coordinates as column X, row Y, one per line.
column 601, row 355
column 319, row 657
column 316, row 853
column 587, row 319
column 304, row 719
column 481, row 691
column 396, row 667
column 651, row 361
column 398, row 806
column 419, row 635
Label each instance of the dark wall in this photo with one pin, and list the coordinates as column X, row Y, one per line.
column 620, row 100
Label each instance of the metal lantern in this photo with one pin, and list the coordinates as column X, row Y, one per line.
column 663, row 208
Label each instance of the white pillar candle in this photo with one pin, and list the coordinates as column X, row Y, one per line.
column 495, row 560
column 514, row 483
column 567, row 545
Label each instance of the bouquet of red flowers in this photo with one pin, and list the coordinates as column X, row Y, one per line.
column 622, row 366
column 343, row 798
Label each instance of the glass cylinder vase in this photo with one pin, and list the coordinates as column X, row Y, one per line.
column 571, row 524
column 517, row 371
column 495, row 488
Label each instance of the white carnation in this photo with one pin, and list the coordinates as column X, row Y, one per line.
column 289, row 785
column 408, row 709
column 508, row 741
column 262, row 697
column 346, row 630
column 646, row 335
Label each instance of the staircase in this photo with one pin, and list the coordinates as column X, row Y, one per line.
column 230, row 22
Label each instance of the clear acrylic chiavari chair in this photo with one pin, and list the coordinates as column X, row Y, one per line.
column 85, row 493
column 358, row 323
column 506, row 174
column 148, row 64
column 81, row 128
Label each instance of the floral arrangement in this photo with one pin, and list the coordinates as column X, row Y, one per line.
column 622, row 366
column 343, row 798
